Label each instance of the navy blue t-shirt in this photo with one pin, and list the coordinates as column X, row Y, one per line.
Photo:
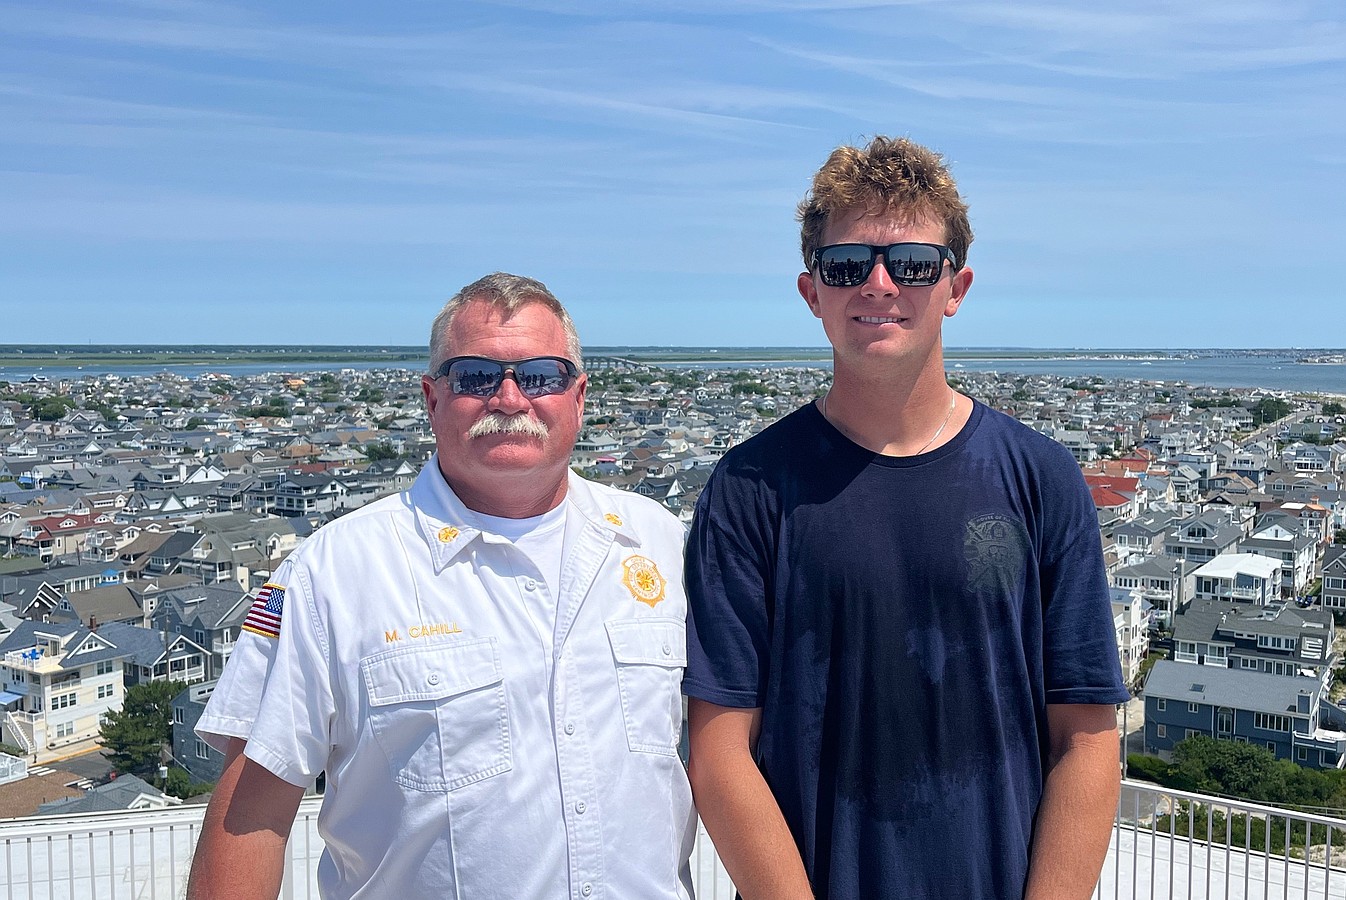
column 903, row 623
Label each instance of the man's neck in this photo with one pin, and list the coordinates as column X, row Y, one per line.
column 512, row 497
column 895, row 413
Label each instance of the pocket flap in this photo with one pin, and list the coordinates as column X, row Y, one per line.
column 650, row 641
column 431, row 672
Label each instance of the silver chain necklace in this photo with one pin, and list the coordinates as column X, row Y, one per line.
column 953, row 401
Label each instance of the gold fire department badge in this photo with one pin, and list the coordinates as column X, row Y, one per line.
column 614, row 519
column 643, row 580
column 447, row 534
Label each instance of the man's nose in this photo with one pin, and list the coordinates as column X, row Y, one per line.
column 508, row 398
column 880, row 281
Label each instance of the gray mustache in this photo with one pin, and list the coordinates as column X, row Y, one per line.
column 499, row 423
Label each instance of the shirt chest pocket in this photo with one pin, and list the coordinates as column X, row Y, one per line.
column 650, row 654
column 439, row 713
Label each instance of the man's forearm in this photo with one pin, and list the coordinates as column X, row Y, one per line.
column 750, row 834
column 241, row 852
column 739, row 810
column 1074, row 820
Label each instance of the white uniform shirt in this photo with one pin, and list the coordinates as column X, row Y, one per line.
column 466, row 756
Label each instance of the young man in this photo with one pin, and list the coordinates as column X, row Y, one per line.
column 901, row 661
column 486, row 665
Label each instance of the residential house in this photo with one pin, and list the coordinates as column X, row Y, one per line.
column 231, row 547
column 1159, row 579
column 304, row 495
column 57, row 682
column 1131, row 621
column 1278, row 640
column 1313, row 516
column 1240, row 577
column 1202, row 538
column 1249, row 674
column 1287, row 716
column 202, row 761
column 210, row 615
column 1293, row 549
column 1141, row 537
column 154, row 655
column 1334, row 577
column 123, row 793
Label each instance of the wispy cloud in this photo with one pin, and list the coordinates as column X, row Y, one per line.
column 247, row 144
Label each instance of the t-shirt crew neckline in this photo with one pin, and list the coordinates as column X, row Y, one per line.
column 846, row 445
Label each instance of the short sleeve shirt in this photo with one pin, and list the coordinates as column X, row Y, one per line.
column 903, row 624
column 467, row 753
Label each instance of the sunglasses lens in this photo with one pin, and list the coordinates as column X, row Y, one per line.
column 849, row 265
column 845, row 265
column 478, row 377
column 540, row 377
column 537, row 377
column 914, row 263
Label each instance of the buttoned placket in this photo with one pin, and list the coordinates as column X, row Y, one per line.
column 529, row 583
column 584, row 827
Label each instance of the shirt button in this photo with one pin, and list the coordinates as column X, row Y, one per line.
column 581, row 807
column 668, row 651
column 587, row 889
column 530, row 584
column 432, row 678
column 570, row 728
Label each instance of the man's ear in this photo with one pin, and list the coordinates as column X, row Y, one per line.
column 809, row 291
column 958, row 288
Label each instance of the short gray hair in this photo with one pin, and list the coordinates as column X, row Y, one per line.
column 508, row 293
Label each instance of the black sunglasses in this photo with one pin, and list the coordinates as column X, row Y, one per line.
column 537, row 376
column 908, row 263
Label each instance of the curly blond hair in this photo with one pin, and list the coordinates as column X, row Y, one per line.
column 890, row 175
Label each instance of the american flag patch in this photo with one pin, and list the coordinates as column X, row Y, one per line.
column 264, row 615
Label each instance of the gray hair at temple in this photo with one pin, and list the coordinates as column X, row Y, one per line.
column 508, row 293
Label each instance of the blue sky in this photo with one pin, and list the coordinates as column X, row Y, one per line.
column 1149, row 174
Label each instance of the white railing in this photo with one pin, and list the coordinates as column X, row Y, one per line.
column 1168, row 843
column 34, row 659
column 12, row 768
column 147, row 855
column 14, row 721
column 1164, row 844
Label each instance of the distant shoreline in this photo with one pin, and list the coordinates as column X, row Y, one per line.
column 109, row 357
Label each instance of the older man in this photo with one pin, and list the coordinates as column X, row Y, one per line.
column 486, row 666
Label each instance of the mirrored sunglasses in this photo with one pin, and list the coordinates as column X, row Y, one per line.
column 908, row 263
column 537, row 376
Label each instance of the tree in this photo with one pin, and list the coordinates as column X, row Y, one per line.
column 49, row 409
column 382, row 450
column 1228, row 767
column 136, row 734
column 1269, row 409
column 179, row 784
column 103, row 409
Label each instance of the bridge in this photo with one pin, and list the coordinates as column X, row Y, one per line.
column 599, row 363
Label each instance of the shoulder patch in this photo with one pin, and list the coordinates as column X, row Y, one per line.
column 264, row 614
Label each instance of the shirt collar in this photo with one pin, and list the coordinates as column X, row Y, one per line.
column 586, row 500
column 440, row 515
column 445, row 523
